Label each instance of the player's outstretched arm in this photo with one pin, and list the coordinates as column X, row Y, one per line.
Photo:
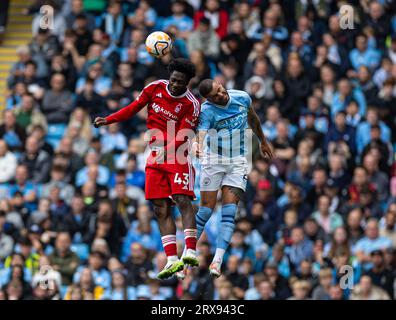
column 129, row 111
column 254, row 123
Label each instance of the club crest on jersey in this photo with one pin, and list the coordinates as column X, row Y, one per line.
column 206, row 181
column 178, row 107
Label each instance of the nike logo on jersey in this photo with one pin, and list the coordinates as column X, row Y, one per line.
column 159, row 95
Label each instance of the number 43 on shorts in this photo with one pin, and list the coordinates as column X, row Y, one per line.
column 184, row 181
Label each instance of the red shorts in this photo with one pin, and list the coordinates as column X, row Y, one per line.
column 162, row 182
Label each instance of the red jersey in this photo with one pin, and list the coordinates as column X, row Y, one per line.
column 164, row 110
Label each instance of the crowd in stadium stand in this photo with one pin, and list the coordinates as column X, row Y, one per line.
column 74, row 222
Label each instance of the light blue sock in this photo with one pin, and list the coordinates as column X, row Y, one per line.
column 203, row 215
column 227, row 226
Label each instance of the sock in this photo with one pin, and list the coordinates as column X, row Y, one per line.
column 169, row 244
column 190, row 237
column 219, row 255
column 227, row 226
column 202, row 217
column 184, row 251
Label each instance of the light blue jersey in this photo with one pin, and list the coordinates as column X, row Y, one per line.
column 226, row 125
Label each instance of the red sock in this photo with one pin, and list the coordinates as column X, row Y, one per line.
column 190, row 237
column 169, row 244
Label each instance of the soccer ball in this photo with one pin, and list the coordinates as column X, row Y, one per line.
column 158, row 44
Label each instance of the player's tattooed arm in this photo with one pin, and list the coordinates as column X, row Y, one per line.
column 255, row 125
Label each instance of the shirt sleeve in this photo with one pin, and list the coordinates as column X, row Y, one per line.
column 204, row 121
column 248, row 100
column 130, row 110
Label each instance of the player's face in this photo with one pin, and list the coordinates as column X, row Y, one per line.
column 218, row 95
column 178, row 83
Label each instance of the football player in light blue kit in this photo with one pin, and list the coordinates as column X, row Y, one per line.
column 221, row 147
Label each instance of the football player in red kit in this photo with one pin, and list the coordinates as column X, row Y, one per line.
column 173, row 113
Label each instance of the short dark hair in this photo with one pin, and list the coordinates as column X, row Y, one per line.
column 81, row 16
column 58, row 168
column 31, row 62
column 205, row 21
column 205, row 87
column 182, row 65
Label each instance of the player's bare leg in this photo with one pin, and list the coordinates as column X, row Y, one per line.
column 208, row 202
column 230, row 199
column 162, row 210
column 184, row 204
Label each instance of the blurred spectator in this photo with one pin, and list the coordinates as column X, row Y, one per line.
column 379, row 274
column 18, row 71
column 11, row 132
column 179, row 19
column 300, row 249
column 6, row 241
column 322, row 292
column 63, row 259
column 204, row 39
column 365, row 290
column 28, row 114
column 217, row 16
column 372, row 241
column 59, row 22
column 102, row 84
column 279, row 283
column 388, row 227
column 363, row 55
column 329, row 221
column 77, row 9
column 300, row 290
column 37, row 161
column 8, row 163
column 57, row 102
column 114, row 21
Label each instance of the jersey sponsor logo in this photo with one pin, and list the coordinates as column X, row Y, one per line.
column 156, row 107
column 167, row 113
column 235, row 121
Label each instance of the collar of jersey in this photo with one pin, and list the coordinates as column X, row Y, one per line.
column 181, row 96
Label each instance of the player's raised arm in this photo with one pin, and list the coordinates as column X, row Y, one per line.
column 129, row 111
column 255, row 125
